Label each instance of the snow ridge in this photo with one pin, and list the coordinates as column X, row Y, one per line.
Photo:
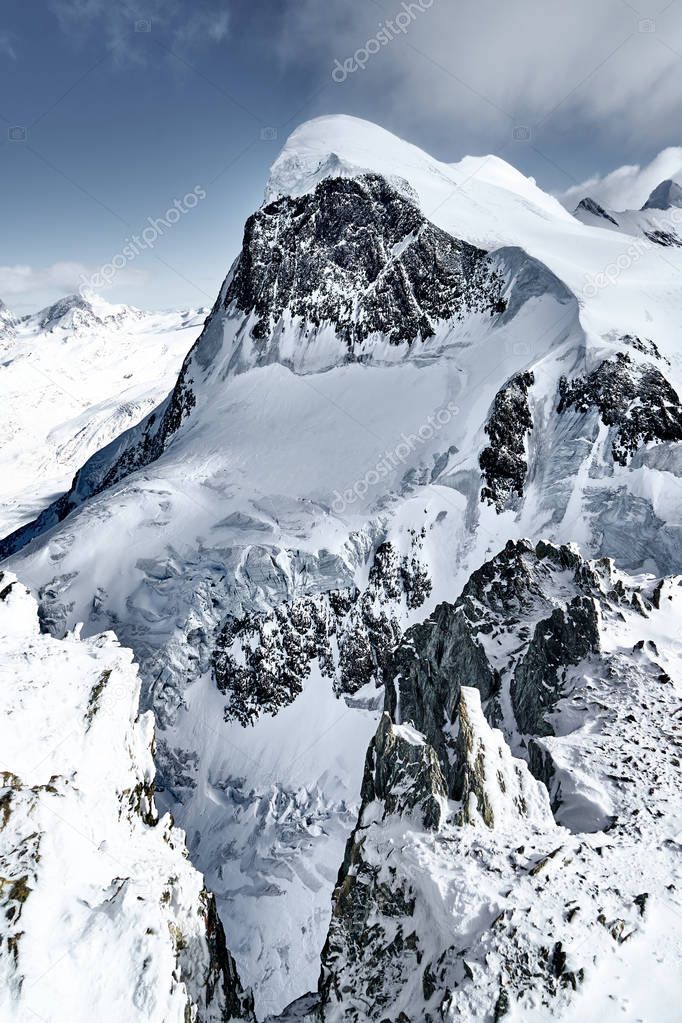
column 102, row 910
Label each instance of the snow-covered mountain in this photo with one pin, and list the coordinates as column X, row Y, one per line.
column 659, row 221
column 7, row 320
column 75, row 375
column 408, row 365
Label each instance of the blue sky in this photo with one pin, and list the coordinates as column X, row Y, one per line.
column 112, row 111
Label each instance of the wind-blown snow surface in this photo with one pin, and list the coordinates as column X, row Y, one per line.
column 282, row 462
column 74, row 376
column 103, row 915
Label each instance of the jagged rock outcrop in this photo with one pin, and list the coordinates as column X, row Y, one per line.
column 381, row 959
column 662, row 237
column 357, row 254
column 588, row 205
column 497, row 788
column 486, row 907
column 635, row 400
column 402, row 782
column 503, row 463
column 261, row 661
column 505, row 611
column 559, row 642
column 429, row 667
column 86, row 867
column 403, row 773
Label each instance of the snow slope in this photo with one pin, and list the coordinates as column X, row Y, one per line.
column 73, row 377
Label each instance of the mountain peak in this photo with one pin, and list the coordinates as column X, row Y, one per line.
column 76, row 312
column 664, row 196
column 344, row 146
column 8, row 320
column 592, row 207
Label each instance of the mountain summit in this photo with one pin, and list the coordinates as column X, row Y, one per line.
column 664, row 197
column 77, row 313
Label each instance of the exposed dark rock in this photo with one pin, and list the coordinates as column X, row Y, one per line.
column 431, row 665
column 503, row 462
column 444, row 653
column 563, row 639
column 668, row 239
column 588, row 205
column 404, row 773
column 262, row 660
column 224, row 991
column 355, row 940
column 524, row 620
column 635, row 400
column 664, row 196
column 642, row 344
column 359, row 255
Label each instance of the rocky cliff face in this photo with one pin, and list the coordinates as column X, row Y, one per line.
column 261, row 662
column 503, row 462
column 635, row 401
column 359, row 255
column 460, row 894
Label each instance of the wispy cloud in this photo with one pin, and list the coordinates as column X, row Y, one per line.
column 627, row 187
column 7, row 46
column 127, row 26
column 63, row 277
column 481, row 66
column 202, row 27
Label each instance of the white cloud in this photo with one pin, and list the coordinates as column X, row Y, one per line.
column 479, row 66
column 628, row 187
column 62, row 278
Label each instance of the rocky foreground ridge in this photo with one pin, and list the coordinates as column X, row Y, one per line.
column 101, row 909
column 519, row 838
